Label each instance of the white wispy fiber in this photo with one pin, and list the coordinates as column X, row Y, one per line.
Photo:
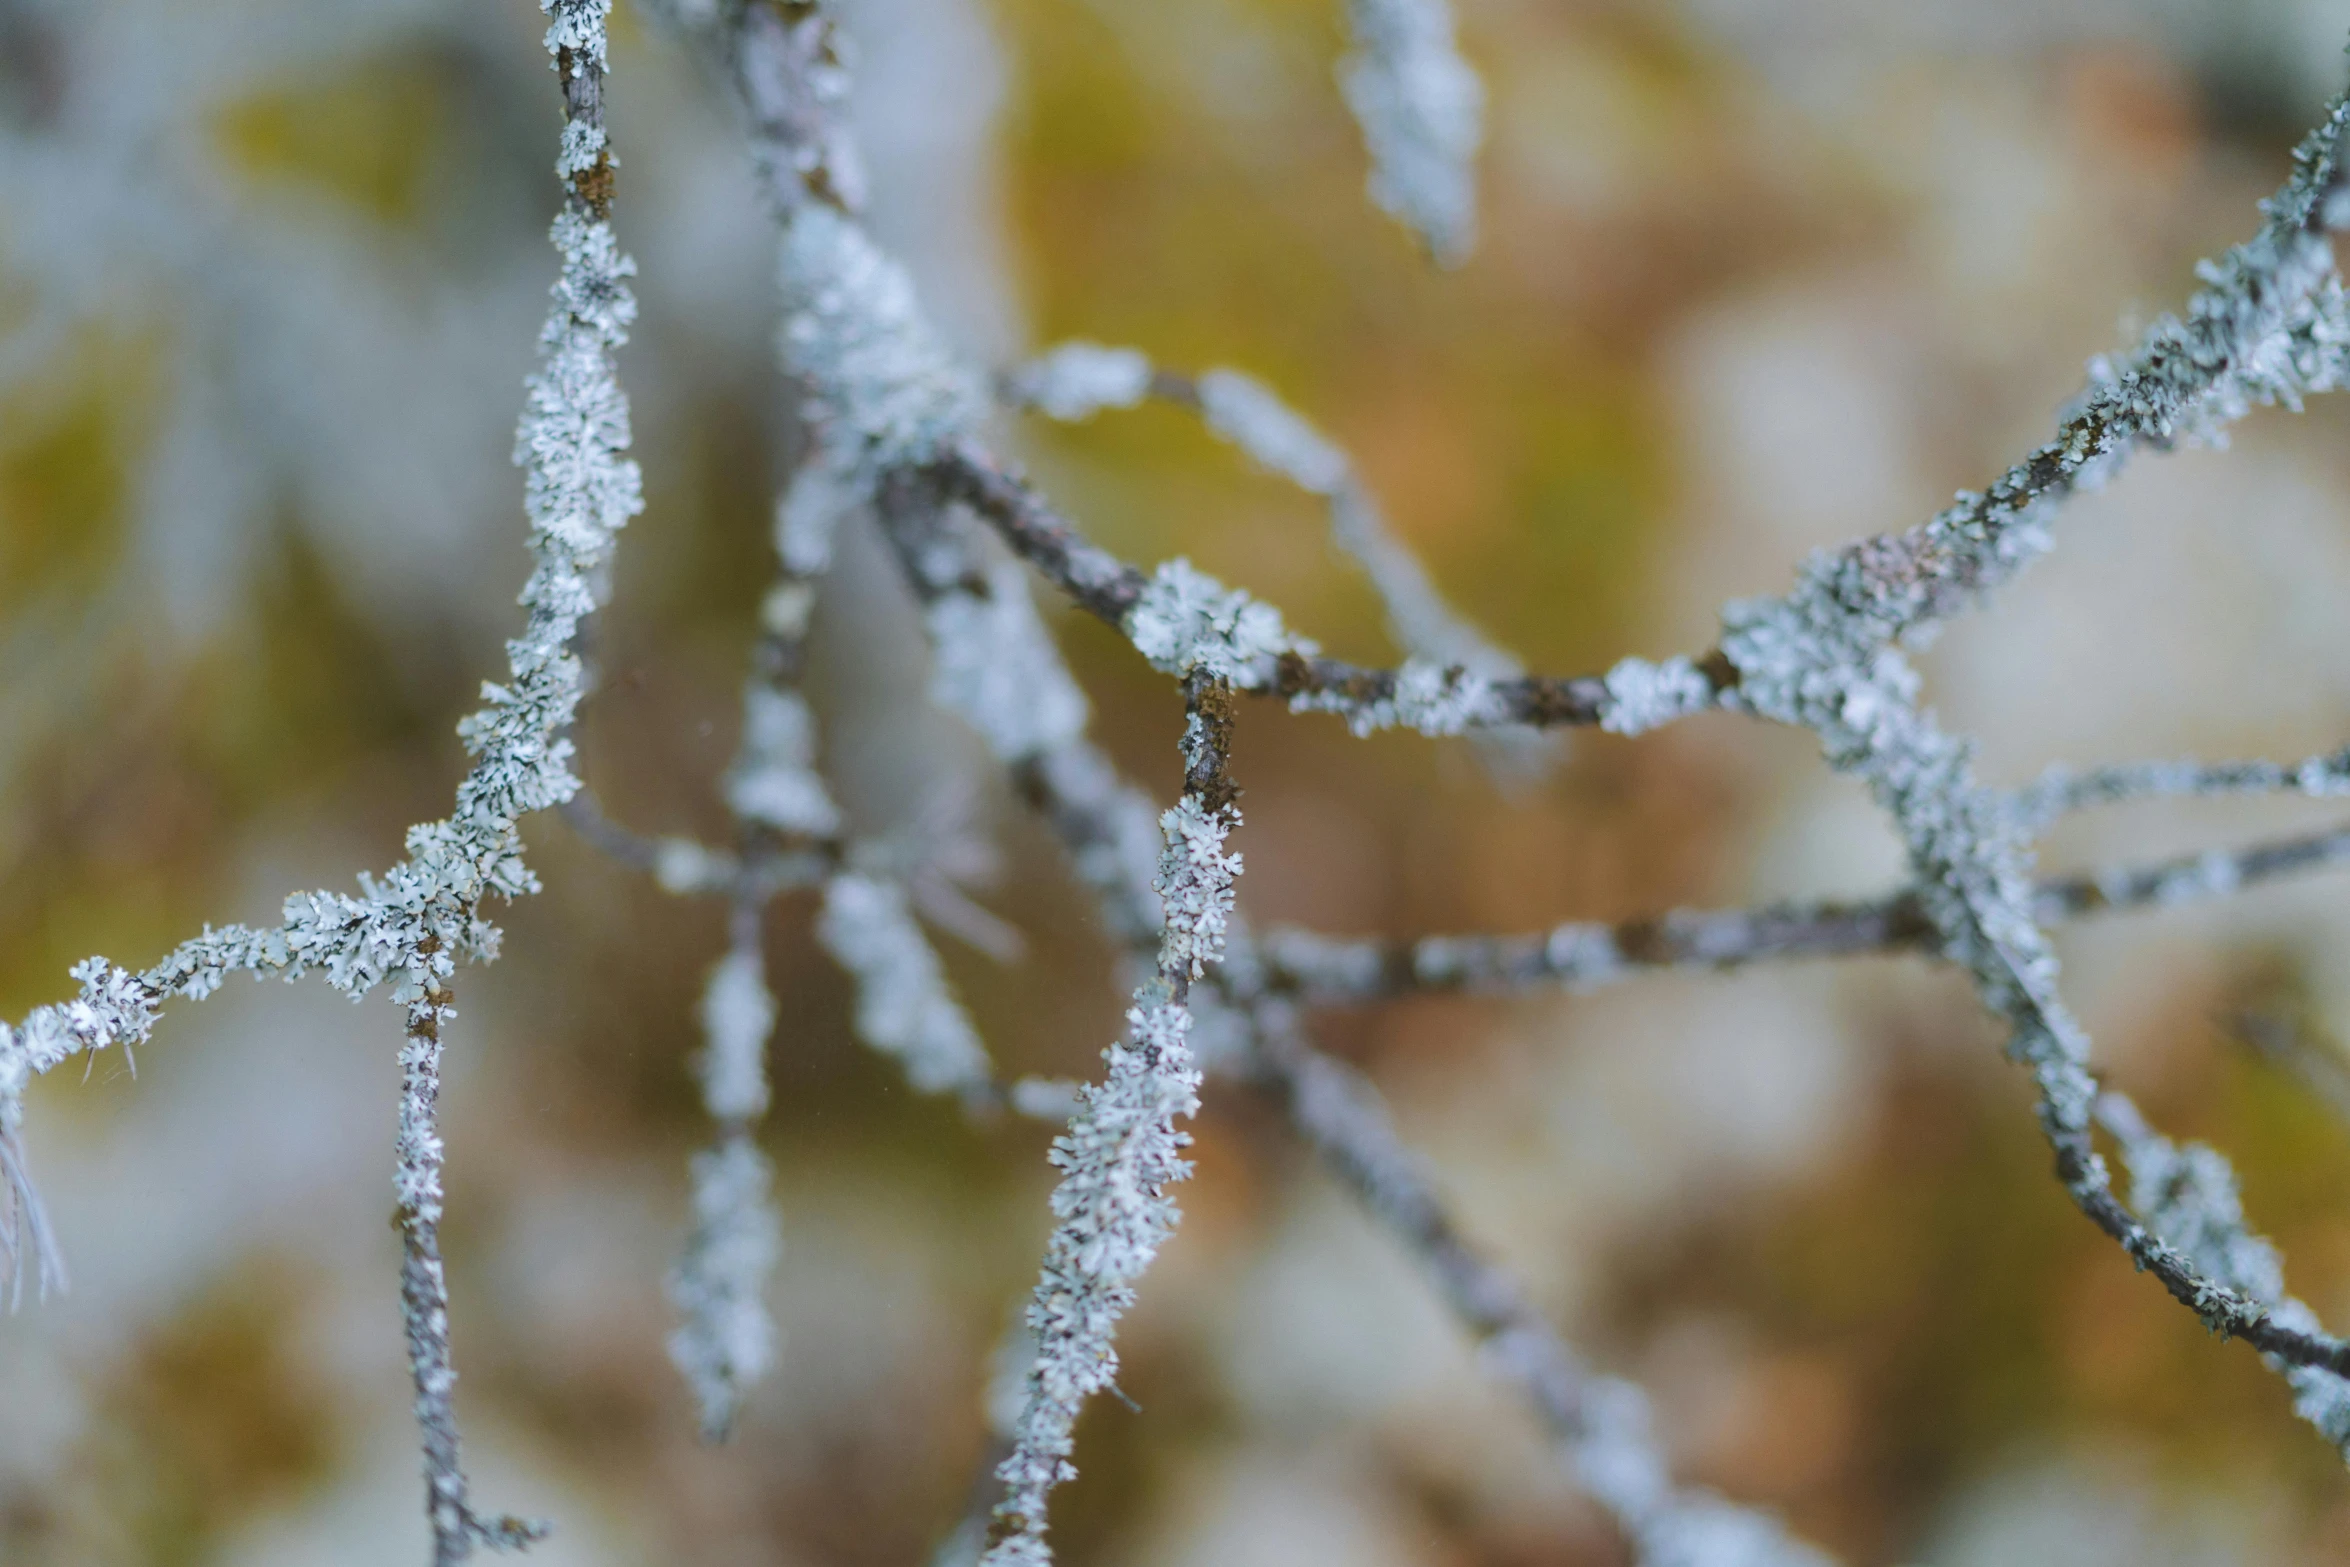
column 1120, row 1153
column 726, row 1340
column 1422, row 112
column 905, row 1007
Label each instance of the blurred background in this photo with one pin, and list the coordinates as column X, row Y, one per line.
column 1758, row 275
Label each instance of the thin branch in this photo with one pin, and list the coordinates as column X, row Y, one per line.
column 2267, row 327
column 2062, row 790
column 424, row 1301
column 1435, row 698
column 1340, row 971
column 1599, row 1424
column 725, row 1340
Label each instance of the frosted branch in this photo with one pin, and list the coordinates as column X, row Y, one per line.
column 2189, row 1200
column 413, row 924
column 727, row 1339
column 904, row 1008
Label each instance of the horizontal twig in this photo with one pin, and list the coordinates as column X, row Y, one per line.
column 1338, row 971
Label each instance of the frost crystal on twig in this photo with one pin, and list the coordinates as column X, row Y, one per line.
column 1422, row 111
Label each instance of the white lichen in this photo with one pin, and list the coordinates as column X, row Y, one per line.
column 773, row 782
column 1076, row 380
column 904, row 1006
column 1122, row 1150
column 1642, row 696
column 994, row 665
column 881, row 387
column 1422, row 113
column 737, row 1015
column 1188, row 623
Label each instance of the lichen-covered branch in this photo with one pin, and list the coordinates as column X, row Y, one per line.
column 2063, row 790
column 1078, row 379
column 1075, row 380
column 414, row 923
column 2267, row 327
column 1434, row 698
column 725, row 1340
column 1581, row 955
column 2188, row 1199
column 1122, row 1149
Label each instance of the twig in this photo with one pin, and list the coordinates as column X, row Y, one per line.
column 2062, row 790
column 1340, row 971
column 1599, row 1424
column 1437, row 698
